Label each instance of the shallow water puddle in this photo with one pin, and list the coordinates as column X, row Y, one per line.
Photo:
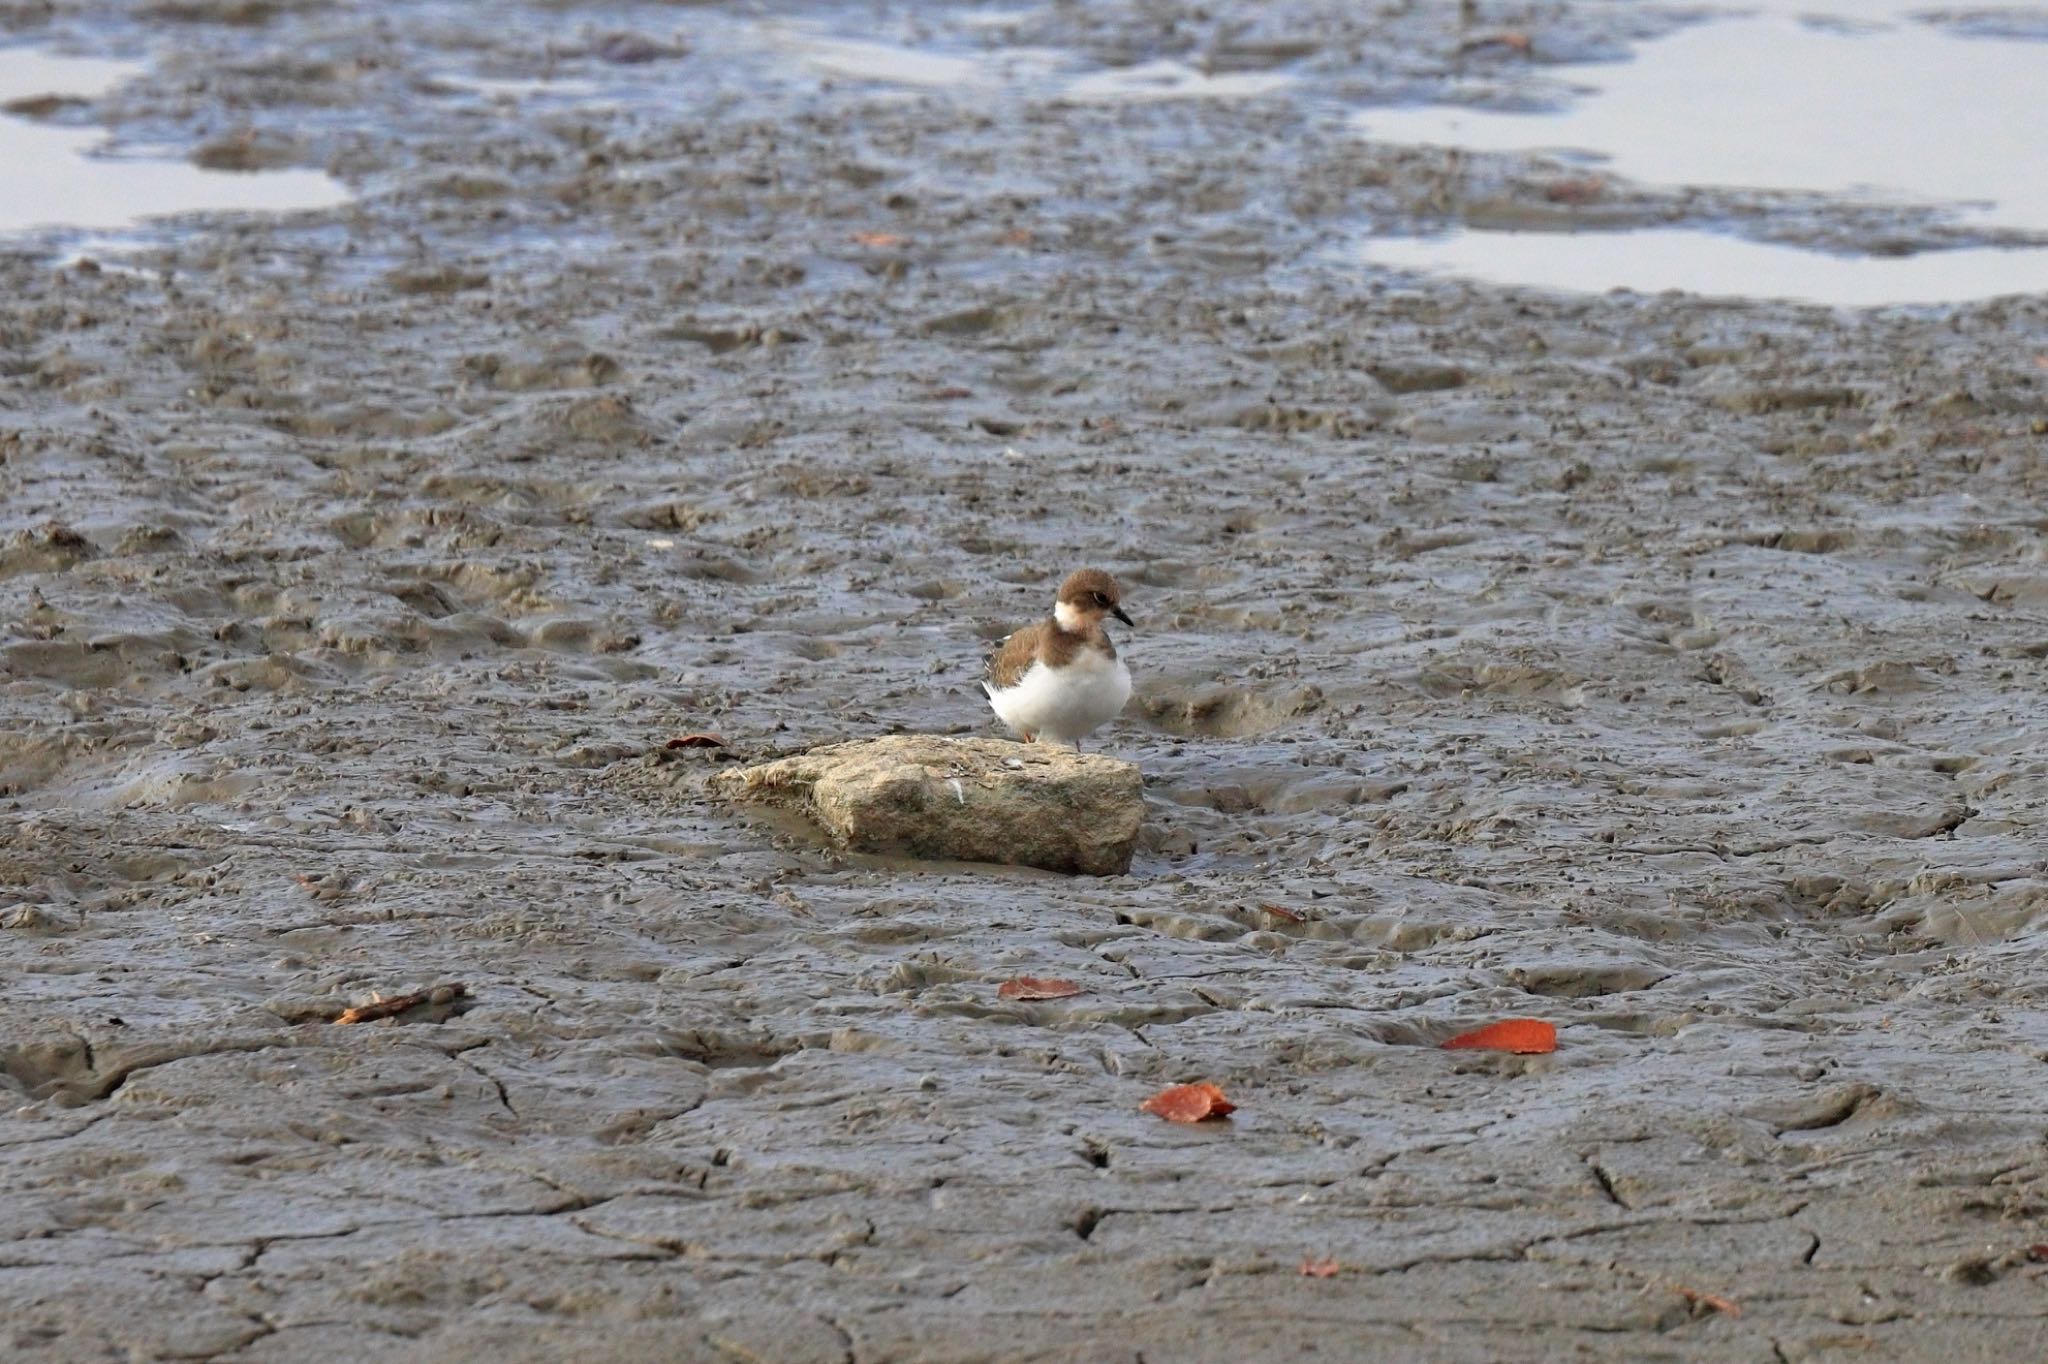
column 1866, row 102
column 1172, row 80
column 1703, row 262
column 1054, row 72
column 53, row 179
column 929, row 66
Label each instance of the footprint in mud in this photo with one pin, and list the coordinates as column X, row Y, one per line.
column 1804, row 541
column 719, row 338
column 559, row 368
column 49, row 548
column 277, row 672
column 1585, row 980
column 75, row 665
column 604, row 420
column 575, row 635
column 1340, row 423
column 1535, row 681
column 1225, row 712
column 1177, row 573
column 1888, row 678
column 726, row 1048
column 1422, row 374
column 972, row 321
column 1756, row 401
column 1287, row 791
column 38, row 1070
column 429, row 599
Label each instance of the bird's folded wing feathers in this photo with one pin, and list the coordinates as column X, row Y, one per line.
column 1014, row 657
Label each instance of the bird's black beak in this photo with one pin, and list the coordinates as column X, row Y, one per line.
column 1118, row 612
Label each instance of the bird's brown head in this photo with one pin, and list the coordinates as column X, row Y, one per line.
column 1086, row 597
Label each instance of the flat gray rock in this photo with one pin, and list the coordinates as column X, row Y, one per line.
column 961, row 800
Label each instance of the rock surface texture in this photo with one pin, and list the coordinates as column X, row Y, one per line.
column 959, row 800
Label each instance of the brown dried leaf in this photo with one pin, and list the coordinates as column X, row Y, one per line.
column 1319, row 1269
column 1281, row 913
column 1585, row 189
column 879, row 241
column 697, row 741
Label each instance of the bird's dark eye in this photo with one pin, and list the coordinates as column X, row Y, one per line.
column 1101, row 600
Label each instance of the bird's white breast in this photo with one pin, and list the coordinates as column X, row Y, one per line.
column 1065, row 704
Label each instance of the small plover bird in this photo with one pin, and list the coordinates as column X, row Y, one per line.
column 1060, row 679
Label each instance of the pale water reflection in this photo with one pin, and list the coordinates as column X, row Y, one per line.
column 55, row 178
column 1868, row 102
column 1714, row 263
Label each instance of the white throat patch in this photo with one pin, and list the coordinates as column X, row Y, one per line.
column 1068, row 615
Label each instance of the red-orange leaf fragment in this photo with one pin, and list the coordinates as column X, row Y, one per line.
column 1319, row 1269
column 1712, row 1301
column 1525, row 1036
column 1280, row 912
column 880, row 241
column 1189, row 1103
column 1513, row 42
column 1036, row 987
column 697, row 741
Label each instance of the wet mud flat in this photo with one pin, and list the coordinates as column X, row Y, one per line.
column 1668, row 669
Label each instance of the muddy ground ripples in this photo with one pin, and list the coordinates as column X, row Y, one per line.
column 1668, row 669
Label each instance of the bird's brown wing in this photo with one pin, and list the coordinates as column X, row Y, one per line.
column 1015, row 655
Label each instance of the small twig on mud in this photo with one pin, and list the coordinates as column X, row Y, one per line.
column 397, row 1004
column 1713, row 1301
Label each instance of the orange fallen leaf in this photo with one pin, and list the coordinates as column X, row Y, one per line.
column 697, row 741
column 1036, row 987
column 1017, row 236
column 1319, row 1269
column 1513, row 42
column 949, row 394
column 1713, row 1301
column 1521, row 1035
column 1279, row 913
column 880, row 241
column 1189, row 1103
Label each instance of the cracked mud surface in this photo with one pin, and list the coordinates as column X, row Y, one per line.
column 1667, row 669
